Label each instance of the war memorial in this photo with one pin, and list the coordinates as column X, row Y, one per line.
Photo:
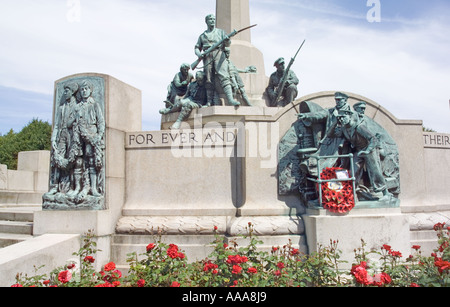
column 236, row 146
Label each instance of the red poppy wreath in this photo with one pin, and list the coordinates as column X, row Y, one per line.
column 336, row 196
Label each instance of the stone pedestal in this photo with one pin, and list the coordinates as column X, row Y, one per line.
column 375, row 226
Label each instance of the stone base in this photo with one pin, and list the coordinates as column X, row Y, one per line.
column 375, row 226
column 73, row 222
column 61, row 201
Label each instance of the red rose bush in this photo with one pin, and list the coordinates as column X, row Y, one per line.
column 228, row 265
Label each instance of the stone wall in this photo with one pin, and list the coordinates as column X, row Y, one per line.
column 25, row 185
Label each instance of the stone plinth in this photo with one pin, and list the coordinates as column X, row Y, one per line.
column 375, row 226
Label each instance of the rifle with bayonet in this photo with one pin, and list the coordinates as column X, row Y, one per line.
column 217, row 45
column 282, row 83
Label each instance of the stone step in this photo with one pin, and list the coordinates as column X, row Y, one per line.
column 7, row 239
column 16, row 223
column 426, row 239
column 430, row 235
column 20, row 197
column 15, row 227
column 16, row 215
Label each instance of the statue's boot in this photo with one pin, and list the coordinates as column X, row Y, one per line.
column 176, row 125
column 245, row 97
column 209, row 97
column 93, row 177
column 229, row 94
column 183, row 115
column 77, row 178
column 165, row 111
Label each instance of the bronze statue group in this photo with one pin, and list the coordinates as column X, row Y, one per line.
column 220, row 76
column 77, row 163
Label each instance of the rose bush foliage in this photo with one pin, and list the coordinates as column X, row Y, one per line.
column 165, row 265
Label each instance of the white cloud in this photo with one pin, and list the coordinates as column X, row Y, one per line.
column 403, row 67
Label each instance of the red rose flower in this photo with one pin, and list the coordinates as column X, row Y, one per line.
column 140, row 283
column 172, row 251
column 150, row 247
column 89, row 259
column 236, row 269
column 210, row 266
column 442, row 265
column 104, row 285
column 438, row 226
column 110, row 266
column 236, row 259
column 385, row 278
column 116, row 274
column 64, row 276
column 280, row 265
column 395, row 253
column 252, row 270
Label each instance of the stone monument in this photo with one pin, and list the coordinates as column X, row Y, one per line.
column 215, row 167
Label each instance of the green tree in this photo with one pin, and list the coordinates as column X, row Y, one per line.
column 426, row 129
column 35, row 135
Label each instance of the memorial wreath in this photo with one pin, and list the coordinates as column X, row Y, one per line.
column 336, row 196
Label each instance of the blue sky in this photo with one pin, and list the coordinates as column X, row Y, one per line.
column 401, row 62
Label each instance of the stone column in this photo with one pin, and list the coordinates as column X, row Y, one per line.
column 235, row 15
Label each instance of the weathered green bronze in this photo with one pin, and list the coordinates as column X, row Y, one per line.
column 280, row 89
column 331, row 134
column 236, row 80
column 195, row 98
column 77, row 179
column 210, row 49
column 179, row 85
column 282, row 83
column 217, row 45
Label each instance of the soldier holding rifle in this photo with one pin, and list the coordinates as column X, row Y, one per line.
column 212, row 43
column 282, row 88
